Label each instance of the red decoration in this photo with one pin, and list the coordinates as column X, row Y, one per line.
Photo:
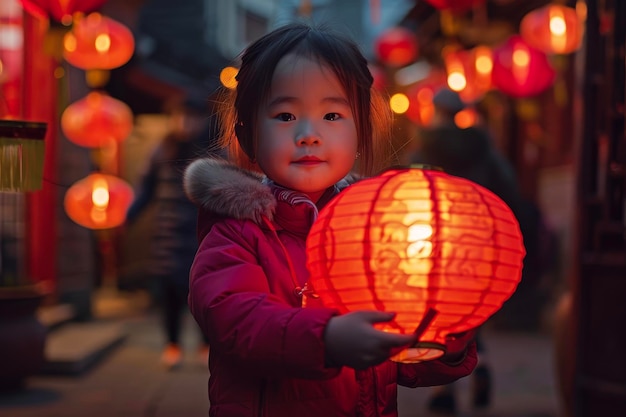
column 396, row 47
column 421, row 108
column 61, row 10
column 96, row 120
column 473, row 68
column 554, row 29
column 99, row 201
column 455, row 6
column 412, row 240
column 98, row 42
column 521, row 70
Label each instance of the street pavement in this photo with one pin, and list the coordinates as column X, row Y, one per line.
column 130, row 382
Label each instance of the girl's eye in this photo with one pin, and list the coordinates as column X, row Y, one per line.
column 332, row 116
column 285, row 117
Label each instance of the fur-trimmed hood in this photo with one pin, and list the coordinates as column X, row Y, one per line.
column 220, row 187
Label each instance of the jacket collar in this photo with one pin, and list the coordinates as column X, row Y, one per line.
column 221, row 188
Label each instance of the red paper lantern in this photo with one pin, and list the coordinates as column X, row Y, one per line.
column 98, row 42
column 469, row 71
column 396, row 47
column 421, row 108
column 455, row 6
column 61, row 10
column 99, row 201
column 411, row 240
column 554, row 29
column 521, row 70
column 97, row 120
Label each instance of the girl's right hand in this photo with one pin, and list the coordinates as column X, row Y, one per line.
column 351, row 339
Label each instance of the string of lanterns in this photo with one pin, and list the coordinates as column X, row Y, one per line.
column 96, row 44
column 520, row 66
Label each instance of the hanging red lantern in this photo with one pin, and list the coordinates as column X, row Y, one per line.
column 554, row 29
column 415, row 240
column 61, row 10
column 98, row 42
column 521, row 70
column 396, row 47
column 98, row 201
column 421, row 108
column 469, row 71
column 455, row 6
column 97, row 120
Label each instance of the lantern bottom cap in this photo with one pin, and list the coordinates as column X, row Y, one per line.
column 420, row 352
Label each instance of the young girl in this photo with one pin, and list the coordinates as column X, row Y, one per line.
column 303, row 113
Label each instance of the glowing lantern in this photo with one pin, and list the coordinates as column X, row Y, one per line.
column 98, row 201
column 421, row 108
column 412, row 241
column 396, row 47
column 96, row 120
column 455, row 6
column 521, row 70
column 228, row 77
column 98, row 42
column 469, row 71
column 11, row 46
column 554, row 29
column 61, row 10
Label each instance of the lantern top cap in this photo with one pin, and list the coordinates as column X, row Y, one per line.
column 416, row 166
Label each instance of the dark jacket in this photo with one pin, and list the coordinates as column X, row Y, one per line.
column 172, row 247
column 267, row 352
column 469, row 153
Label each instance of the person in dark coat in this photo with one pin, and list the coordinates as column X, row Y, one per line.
column 468, row 153
column 172, row 236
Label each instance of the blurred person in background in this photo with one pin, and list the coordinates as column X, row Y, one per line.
column 470, row 153
column 172, row 232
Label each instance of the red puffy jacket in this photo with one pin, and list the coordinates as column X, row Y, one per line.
column 267, row 352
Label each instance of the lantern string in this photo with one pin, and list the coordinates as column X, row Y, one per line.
column 430, row 315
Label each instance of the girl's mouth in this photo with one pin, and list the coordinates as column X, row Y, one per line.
column 308, row 160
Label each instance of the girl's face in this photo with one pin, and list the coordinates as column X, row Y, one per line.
column 307, row 133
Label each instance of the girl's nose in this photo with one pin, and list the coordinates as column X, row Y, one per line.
column 306, row 134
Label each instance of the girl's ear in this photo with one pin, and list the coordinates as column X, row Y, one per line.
column 244, row 143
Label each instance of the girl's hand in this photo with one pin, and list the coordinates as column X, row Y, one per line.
column 456, row 346
column 351, row 340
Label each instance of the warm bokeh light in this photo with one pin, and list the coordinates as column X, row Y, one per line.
column 457, row 81
column 484, row 61
column 98, row 42
column 96, row 120
column 521, row 70
column 396, row 47
column 61, row 10
column 554, row 29
column 469, row 71
column 399, row 103
column 466, row 118
column 98, row 201
column 228, row 77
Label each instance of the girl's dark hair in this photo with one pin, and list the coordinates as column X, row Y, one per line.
column 240, row 106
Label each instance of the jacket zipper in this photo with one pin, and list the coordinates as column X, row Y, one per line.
column 262, row 387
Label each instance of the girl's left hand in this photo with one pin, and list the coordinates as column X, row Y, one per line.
column 456, row 346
